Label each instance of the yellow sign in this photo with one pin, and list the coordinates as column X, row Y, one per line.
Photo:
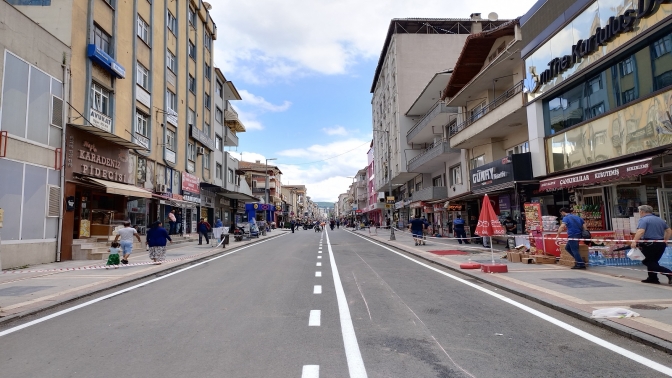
column 388, row 206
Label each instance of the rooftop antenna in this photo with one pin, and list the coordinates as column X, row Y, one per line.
column 492, row 16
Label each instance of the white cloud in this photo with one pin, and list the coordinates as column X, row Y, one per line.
column 261, row 103
column 338, row 130
column 266, row 40
column 253, row 106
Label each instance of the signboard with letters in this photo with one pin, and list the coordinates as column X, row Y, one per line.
column 200, row 136
column 512, row 168
column 89, row 155
column 191, row 187
column 100, row 120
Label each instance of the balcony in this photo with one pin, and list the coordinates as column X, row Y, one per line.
column 231, row 119
column 500, row 118
column 430, row 193
column 432, row 158
column 431, row 124
column 231, row 139
column 361, row 184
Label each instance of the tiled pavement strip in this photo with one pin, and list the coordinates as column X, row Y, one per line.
column 25, row 293
column 573, row 292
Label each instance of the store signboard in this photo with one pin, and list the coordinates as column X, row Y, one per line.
column 89, row 155
column 191, row 188
column 611, row 173
column 200, row 136
column 504, row 203
column 502, row 171
column 100, row 120
column 417, row 205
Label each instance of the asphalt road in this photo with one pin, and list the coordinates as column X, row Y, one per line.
column 256, row 312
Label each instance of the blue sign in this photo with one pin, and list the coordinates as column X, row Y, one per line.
column 99, row 56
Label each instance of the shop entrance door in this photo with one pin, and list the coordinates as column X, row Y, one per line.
column 665, row 204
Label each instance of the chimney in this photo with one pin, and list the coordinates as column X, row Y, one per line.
column 258, row 161
column 475, row 17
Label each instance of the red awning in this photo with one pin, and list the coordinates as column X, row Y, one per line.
column 614, row 172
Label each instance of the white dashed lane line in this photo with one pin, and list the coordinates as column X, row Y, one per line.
column 317, row 289
column 310, row 371
column 314, row 320
column 318, row 274
column 319, row 264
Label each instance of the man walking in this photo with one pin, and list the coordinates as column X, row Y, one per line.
column 172, row 222
column 417, row 225
column 125, row 239
column 203, row 229
column 460, row 232
column 291, row 225
column 651, row 227
column 574, row 226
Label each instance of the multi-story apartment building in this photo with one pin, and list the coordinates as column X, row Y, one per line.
column 295, row 201
column 257, row 174
column 414, row 51
column 376, row 209
column 34, row 79
column 139, row 128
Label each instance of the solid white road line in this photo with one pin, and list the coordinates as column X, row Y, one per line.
column 310, row 371
column 603, row 343
column 314, row 319
column 317, row 289
column 319, row 264
column 352, row 353
column 318, row 274
column 85, row 304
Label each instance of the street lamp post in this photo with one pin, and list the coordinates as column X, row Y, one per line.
column 389, row 179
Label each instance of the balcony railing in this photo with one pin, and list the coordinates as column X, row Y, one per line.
column 440, row 147
column 503, row 98
column 439, row 107
column 430, row 193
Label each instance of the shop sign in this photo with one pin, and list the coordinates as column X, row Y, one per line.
column 177, row 196
column 504, row 203
column 191, row 197
column 100, row 120
column 224, row 201
column 616, row 172
column 191, row 183
column 90, row 155
column 399, row 205
column 200, row 136
column 502, row 171
column 455, row 207
column 428, row 209
column 99, row 56
column 438, row 207
column 417, row 205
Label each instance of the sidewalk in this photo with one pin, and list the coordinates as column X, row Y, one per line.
column 40, row 287
column 573, row 292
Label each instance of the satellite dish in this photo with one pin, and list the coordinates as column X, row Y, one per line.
column 492, row 16
column 207, row 5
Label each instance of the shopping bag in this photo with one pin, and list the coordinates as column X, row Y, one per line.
column 635, row 254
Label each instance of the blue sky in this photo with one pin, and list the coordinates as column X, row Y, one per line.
column 304, row 69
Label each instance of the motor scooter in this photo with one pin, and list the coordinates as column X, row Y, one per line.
column 238, row 234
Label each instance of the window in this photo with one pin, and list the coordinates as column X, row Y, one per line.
column 191, row 152
column 207, row 71
column 662, row 46
column 142, row 78
column 170, row 140
column 100, row 99
column 191, row 117
column 477, row 112
column 595, row 84
column 171, row 100
column 206, row 160
column 206, row 100
column 456, row 175
column 626, row 66
column 628, row 96
column 218, row 171
column 219, row 89
column 437, row 181
column 597, row 110
column 102, row 40
column 192, row 50
column 477, row 162
column 207, row 39
column 191, row 84
column 218, row 114
column 172, row 23
column 218, row 143
column 519, row 149
column 143, row 30
column 192, row 16
column 206, row 129
column 141, row 124
column 230, row 175
column 171, row 61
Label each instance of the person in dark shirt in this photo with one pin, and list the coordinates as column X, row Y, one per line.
column 511, row 225
column 460, row 232
column 417, row 225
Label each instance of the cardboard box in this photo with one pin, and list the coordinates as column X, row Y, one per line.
column 566, row 259
column 527, row 260
column 515, row 257
column 508, row 256
column 538, row 259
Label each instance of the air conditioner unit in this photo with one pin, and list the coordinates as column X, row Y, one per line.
column 200, row 150
column 161, row 188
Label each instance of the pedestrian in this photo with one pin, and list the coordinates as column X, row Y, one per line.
column 125, row 239
column 511, row 227
column 113, row 258
column 574, row 225
column 655, row 233
column 218, row 223
column 172, row 221
column 460, row 232
column 203, row 228
column 291, row 225
column 157, row 238
column 417, row 226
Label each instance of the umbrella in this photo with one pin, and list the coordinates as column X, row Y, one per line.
column 488, row 224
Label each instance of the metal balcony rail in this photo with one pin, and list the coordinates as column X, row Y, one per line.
column 504, row 97
column 431, row 113
column 434, row 145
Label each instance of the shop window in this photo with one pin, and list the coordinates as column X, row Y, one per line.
column 102, row 40
column 100, row 99
column 142, row 170
column 456, row 175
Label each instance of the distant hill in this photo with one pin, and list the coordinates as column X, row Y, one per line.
column 325, row 204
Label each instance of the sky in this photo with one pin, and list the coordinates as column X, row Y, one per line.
column 304, row 70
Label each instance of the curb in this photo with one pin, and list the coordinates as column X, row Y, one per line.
column 217, row 252
column 619, row 329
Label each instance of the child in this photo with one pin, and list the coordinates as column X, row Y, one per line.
column 114, row 255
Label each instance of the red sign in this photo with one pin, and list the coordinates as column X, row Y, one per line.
column 417, row 205
column 554, row 247
column 190, row 183
column 438, row 207
column 616, row 172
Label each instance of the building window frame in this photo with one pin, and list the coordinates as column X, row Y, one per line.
column 477, row 161
column 141, row 123
column 191, row 84
column 207, row 70
column 143, row 30
column 192, row 50
column 102, row 39
column 207, row 100
column 218, row 171
column 191, row 151
column 100, row 99
column 206, row 160
column 207, row 39
column 170, row 140
column 219, row 143
column 191, row 15
column 456, row 175
column 142, row 77
column 171, row 22
column 219, row 115
column 171, row 61
column 171, row 100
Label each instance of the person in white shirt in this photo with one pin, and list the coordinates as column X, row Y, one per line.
column 125, row 239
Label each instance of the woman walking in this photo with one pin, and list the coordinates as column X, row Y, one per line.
column 157, row 238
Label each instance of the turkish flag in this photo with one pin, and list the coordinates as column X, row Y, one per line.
column 488, row 223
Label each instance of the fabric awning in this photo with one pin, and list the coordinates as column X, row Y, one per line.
column 121, row 189
column 611, row 173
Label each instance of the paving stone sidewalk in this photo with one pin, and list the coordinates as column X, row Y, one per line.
column 574, row 292
column 40, row 287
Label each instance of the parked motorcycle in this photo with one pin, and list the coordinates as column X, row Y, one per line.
column 238, row 234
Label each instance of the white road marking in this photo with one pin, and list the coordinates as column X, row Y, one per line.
column 352, row 353
column 314, row 319
column 319, row 257
column 319, row 251
column 601, row 342
column 317, row 289
column 108, row 296
column 318, row 274
column 310, row 371
column 319, row 264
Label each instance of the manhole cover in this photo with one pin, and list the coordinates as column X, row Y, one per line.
column 647, row 307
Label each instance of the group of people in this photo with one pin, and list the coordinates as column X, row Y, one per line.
column 157, row 239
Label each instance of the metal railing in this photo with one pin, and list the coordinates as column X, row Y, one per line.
column 427, row 150
column 433, row 112
column 504, row 97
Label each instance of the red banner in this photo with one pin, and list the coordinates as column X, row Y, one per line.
column 615, row 172
column 191, row 183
